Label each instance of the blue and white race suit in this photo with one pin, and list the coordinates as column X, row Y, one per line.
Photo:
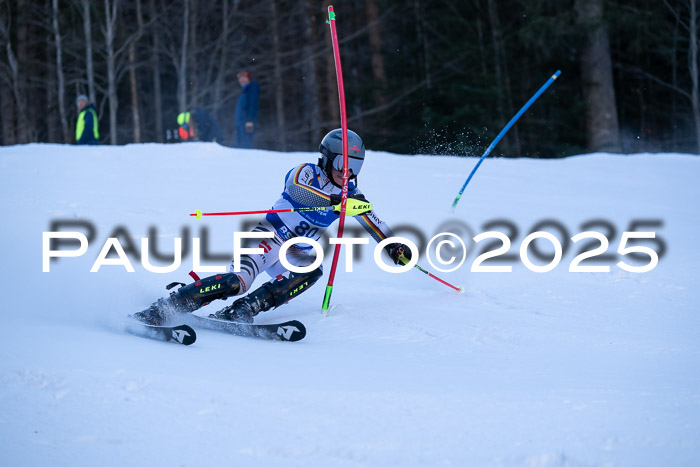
column 305, row 186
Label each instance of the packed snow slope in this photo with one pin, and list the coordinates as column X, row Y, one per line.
column 524, row 368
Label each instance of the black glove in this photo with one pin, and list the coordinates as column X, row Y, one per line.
column 395, row 251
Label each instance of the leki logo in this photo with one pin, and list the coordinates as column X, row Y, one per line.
column 355, row 148
column 210, row 288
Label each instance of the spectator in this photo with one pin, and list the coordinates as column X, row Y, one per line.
column 198, row 125
column 86, row 131
column 246, row 111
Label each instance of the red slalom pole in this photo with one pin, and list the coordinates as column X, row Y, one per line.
column 346, row 174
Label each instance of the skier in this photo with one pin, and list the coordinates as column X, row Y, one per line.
column 308, row 185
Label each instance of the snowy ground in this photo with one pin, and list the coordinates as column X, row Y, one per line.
column 550, row 369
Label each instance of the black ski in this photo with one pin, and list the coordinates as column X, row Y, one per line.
column 291, row 331
column 182, row 334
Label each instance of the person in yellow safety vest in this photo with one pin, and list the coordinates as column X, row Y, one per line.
column 86, row 131
column 198, row 125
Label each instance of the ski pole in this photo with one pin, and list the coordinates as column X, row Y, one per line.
column 405, row 260
column 504, row 131
column 353, row 207
column 198, row 214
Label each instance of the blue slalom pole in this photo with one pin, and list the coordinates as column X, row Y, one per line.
column 504, row 131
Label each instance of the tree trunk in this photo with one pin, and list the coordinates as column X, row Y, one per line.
column 223, row 65
column 10, row 94
column 59, row 71
column 375, row 43
column 7, row 116
column 53, row 123
column 602, row 130
column 182, row 72
column 505, row 106
column 279, row 90
column 193, row 57
column 23, row 57
column 110, row 33
column 422, row 39
column 331, row 80
column 135, row 112
column 312, row 79
column 17, row 128
column 155, row 67
column 90, row 68
column 693, row 62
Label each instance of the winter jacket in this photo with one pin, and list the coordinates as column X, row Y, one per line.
column 86, row 131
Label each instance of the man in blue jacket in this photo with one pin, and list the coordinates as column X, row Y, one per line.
column 86, row 131
column 246, row 111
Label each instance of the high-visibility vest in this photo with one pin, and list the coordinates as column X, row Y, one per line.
column 80, row 127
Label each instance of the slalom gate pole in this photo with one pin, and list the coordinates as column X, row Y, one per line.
column 346, row 174
column 504, row 131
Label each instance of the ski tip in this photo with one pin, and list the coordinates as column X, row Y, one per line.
column 183, row 334
column 291, row 331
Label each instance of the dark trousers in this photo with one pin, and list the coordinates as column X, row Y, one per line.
column 243, row 139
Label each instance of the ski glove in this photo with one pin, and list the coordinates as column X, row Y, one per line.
column 400, row 253
column 356, row 204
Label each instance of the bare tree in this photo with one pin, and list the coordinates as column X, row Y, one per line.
column 310, row 51
column 331, row 79
column 155, row 69
column 182, row 69
column 15, row 130
column 375, row 43
column 422, row 38
column 693, row 61
column 505, row 104
column 109, row 31
column 602, row 128
column 135, row 114
column 279, row 90
column 59, row 70
column 691, row 25
column 89, row 64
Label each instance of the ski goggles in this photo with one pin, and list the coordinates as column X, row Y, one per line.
column 354, row 164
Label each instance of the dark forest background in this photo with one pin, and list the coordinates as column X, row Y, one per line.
column 420, row 76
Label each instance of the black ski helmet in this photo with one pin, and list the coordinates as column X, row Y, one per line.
column 331, row 150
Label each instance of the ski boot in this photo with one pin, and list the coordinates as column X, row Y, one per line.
column 190, row 297
column 269, row 295
column 246, row 308
column 154, row 315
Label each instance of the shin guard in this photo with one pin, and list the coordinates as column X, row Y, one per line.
column 193, row 296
